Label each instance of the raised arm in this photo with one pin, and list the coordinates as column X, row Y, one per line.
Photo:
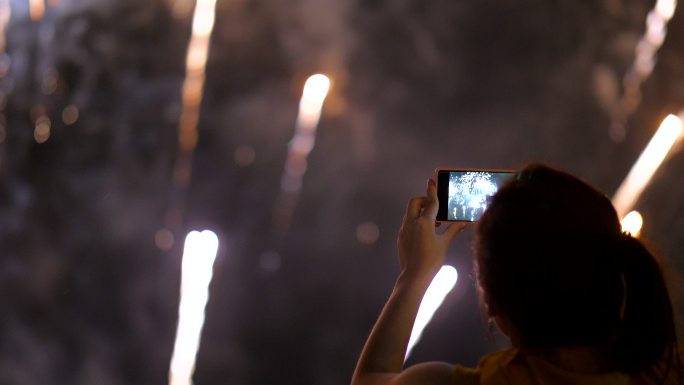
column 421, row 254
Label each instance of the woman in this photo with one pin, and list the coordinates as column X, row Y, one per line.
column 581, row 302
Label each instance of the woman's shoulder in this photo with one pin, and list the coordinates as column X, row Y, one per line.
column 486, row 372
column 514, row 366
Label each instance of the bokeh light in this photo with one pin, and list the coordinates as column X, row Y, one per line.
column 70, row 114
column 244, row 156
column 41, row 132
column 367, row 233
column 50, row 82
column 164, row 239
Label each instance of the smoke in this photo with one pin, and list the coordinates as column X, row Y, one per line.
column 77, row 222
column 87, row 296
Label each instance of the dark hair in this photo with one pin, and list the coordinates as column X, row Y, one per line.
column 552, row 258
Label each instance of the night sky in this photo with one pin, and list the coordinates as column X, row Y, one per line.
column 88, row 296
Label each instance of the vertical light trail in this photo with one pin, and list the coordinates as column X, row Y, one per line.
column 191, row 95
column 310, row 106
column 198, row 261
column 632, row 223
column 651, row 158
column 200, row 248
column 440, row 286
column 644, row 61
column 653, row 38
column 195, row 73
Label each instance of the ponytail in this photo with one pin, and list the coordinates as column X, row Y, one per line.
column 647, row 338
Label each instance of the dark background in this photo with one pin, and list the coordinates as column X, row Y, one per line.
column 86, row 296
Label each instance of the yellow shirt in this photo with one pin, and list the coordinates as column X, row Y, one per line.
column 514, row 367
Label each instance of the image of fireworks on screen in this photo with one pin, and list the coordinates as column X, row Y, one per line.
column 470, row 192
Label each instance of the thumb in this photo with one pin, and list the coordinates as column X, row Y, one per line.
column 432, row 204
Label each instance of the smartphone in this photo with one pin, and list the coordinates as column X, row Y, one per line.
column 465, row 193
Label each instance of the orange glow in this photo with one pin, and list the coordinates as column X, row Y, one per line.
column 193, row 87
column 197, row 54
column 632, row 223
column 36, row 9
column 651, row 158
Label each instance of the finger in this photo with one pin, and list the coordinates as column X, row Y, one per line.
column 453, row 229
column 414, row 207
column 432, row 204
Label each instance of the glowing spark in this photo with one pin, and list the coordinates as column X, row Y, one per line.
column 440, row 286
column 632, row 223
column 650, row 159
column 666, row 8
column 196, row 272
column 203, row 21
column 310, row 106
column 36, row 9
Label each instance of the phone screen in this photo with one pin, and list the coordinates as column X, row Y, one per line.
column 465, row 194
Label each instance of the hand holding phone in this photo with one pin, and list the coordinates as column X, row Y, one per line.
column 464, row 194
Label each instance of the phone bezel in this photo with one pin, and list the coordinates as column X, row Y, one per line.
column 443, row 188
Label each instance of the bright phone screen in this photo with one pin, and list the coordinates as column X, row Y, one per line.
column 470, row 192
